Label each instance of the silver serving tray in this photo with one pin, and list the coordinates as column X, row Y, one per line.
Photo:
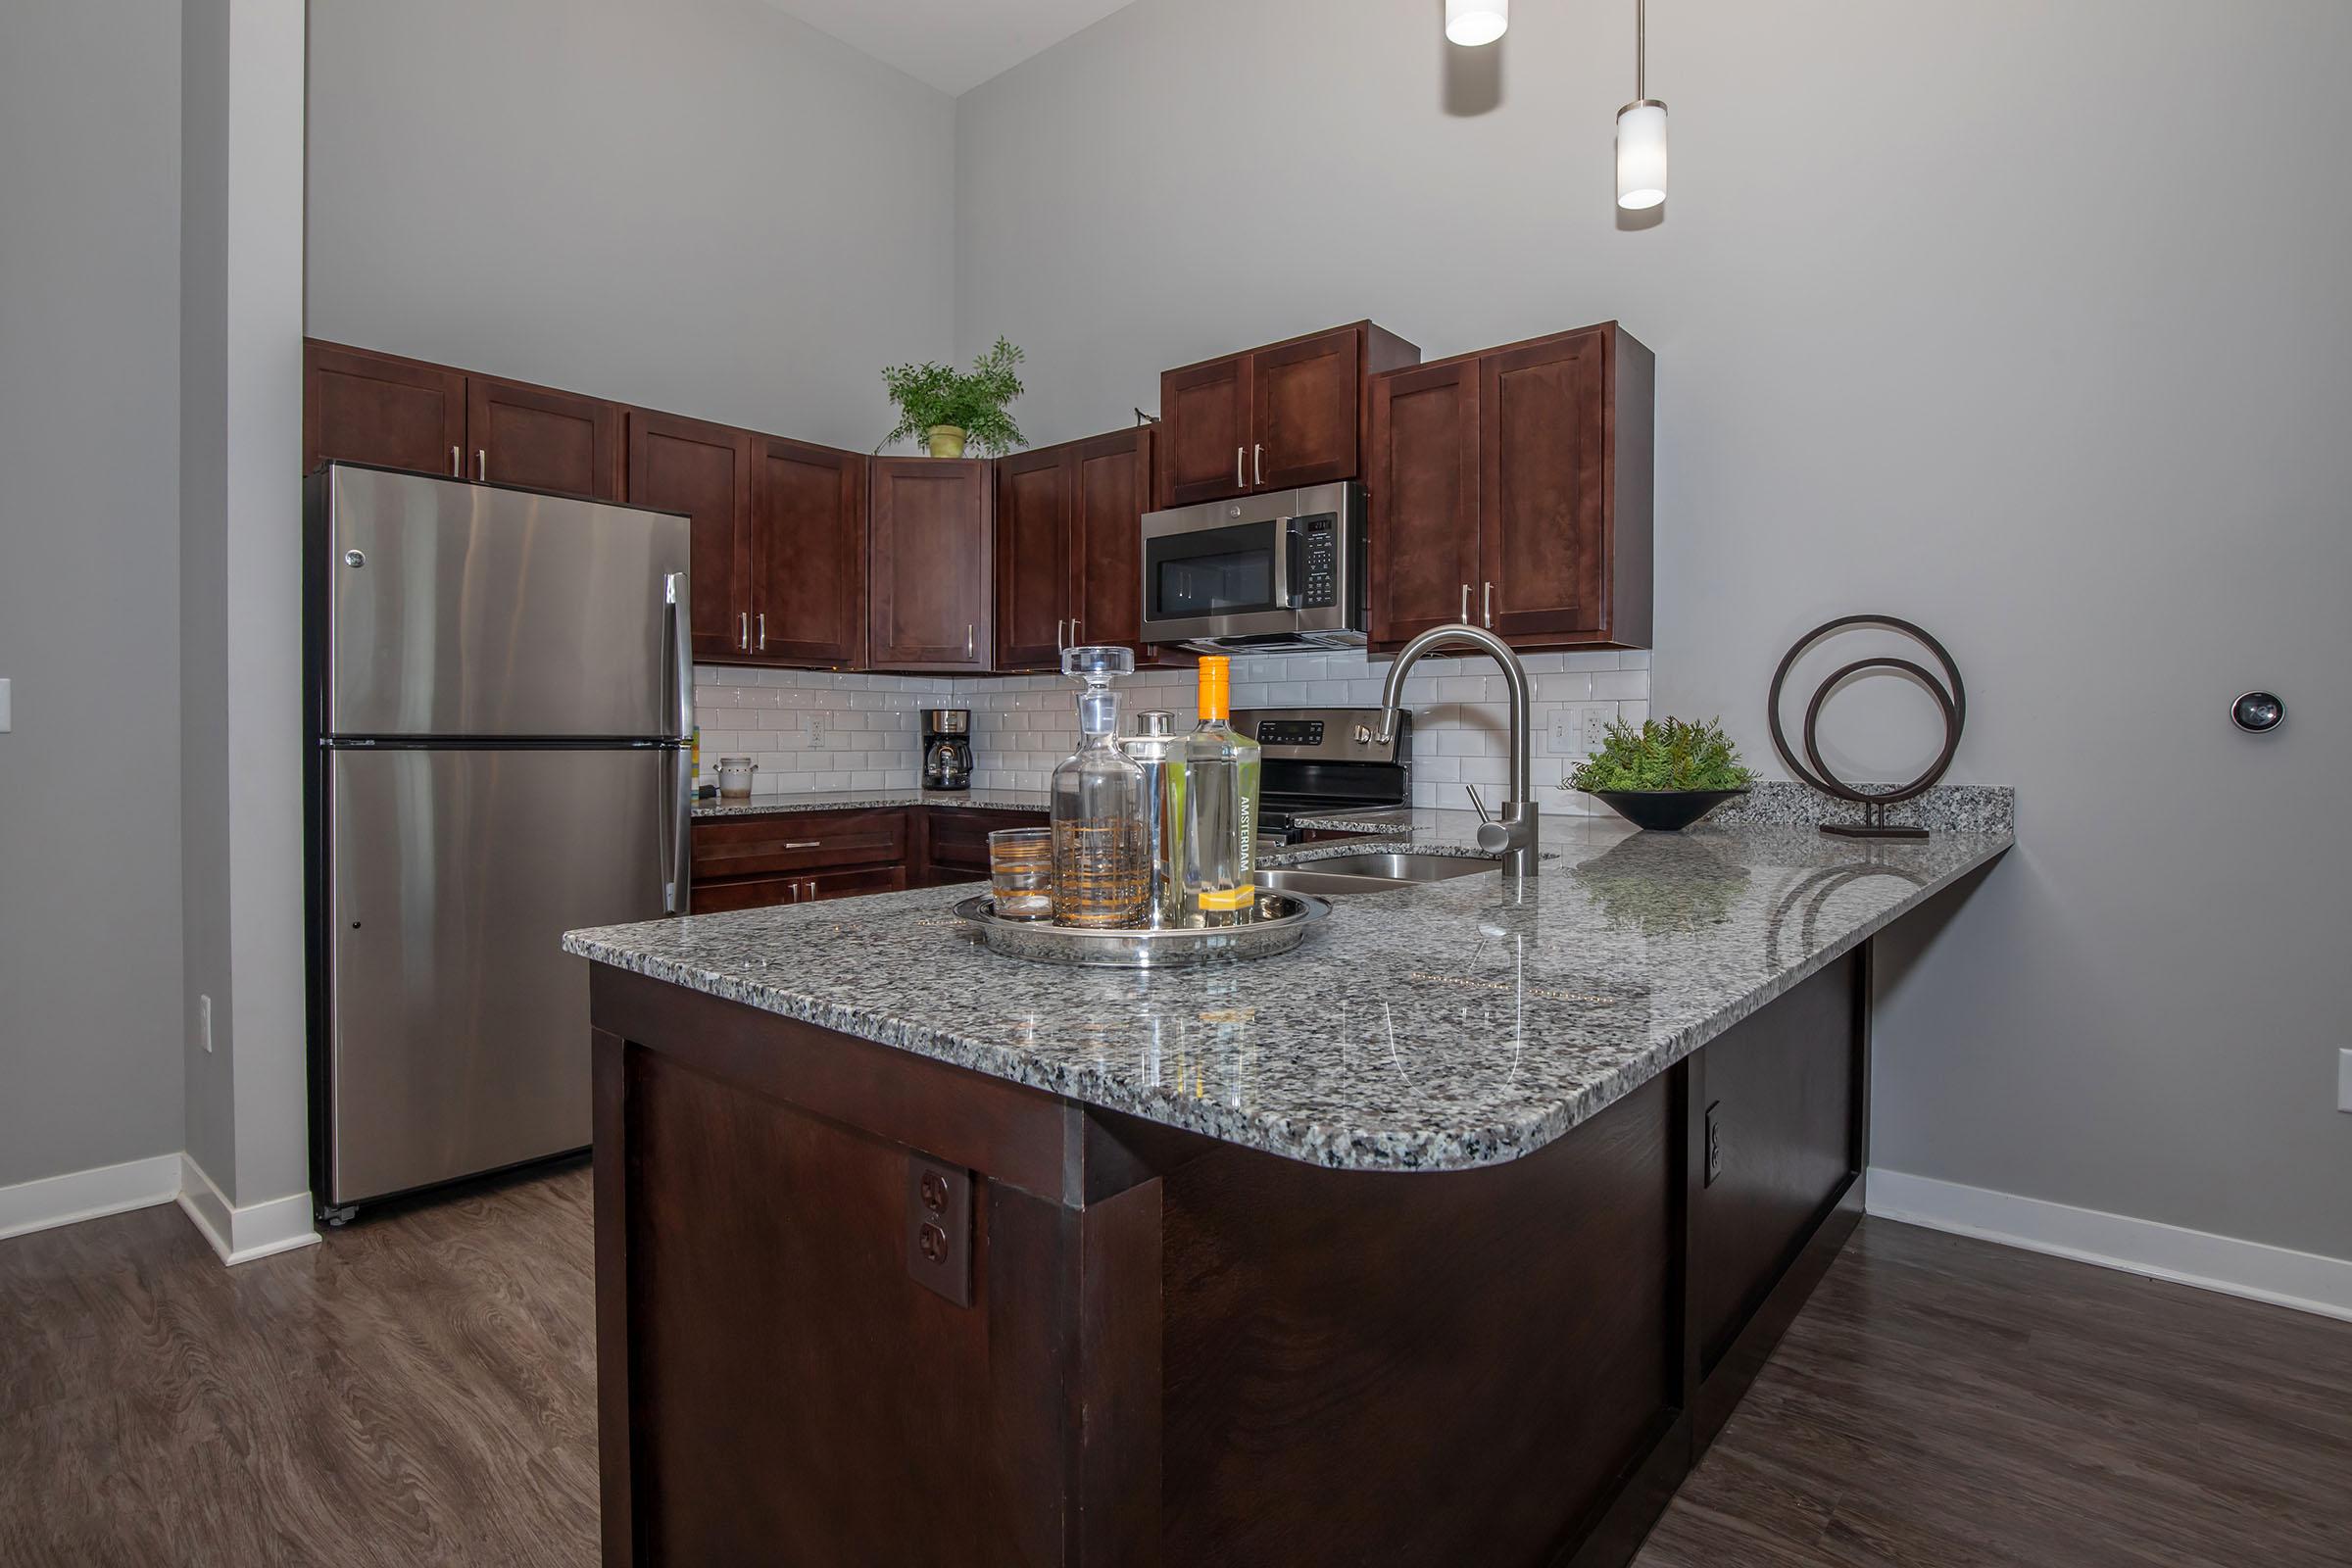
column 1281, row 925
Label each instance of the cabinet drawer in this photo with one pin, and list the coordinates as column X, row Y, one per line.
column 960, row 838
column 763, row 892
column 728, row 848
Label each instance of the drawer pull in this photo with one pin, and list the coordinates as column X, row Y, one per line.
column 804, row 844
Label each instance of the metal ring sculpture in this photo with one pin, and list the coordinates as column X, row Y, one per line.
column 1952, row 699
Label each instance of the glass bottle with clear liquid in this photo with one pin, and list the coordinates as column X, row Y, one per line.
column 1101, row 855
column 1213, row 811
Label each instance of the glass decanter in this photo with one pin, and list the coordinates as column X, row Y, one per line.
column 1102, row 854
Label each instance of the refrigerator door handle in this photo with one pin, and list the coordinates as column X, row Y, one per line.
column 676, row 598
column 677, row 847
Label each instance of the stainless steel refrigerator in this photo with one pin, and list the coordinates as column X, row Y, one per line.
column 500, row 690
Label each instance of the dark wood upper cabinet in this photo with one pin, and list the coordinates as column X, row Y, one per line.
column 1422, row 520
column 1205, row 412
column 705, row 470
column 930, row 549
column 1034, row 545
column 359, row 405
column 1110, row 490
column 540, row 439
column 1276, row 417
column 1514, row 486
column 808, row 554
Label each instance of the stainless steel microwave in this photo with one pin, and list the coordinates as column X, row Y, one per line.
column 1283, row 570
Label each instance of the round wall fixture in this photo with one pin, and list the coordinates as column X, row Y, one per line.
column 1950, row 696
column 2258, row 713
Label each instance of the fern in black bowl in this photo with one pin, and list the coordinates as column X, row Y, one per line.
column 1664, row 774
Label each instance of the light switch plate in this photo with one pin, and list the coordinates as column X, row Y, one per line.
column 5, row 716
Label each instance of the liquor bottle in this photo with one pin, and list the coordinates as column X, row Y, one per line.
column 1101, row 860
column 1213, row 811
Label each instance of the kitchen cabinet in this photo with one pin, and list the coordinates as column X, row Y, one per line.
column 930, row 576
column 537, row 438
column 1069, row 549
column 1512, row 488
column 1036, row 560
column 359, row 405
column 808, row 554
column 1276, row 417
column 704, row 470
column 749, row 863
column 954, row 841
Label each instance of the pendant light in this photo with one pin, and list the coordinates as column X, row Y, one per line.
column 1641, row 130
column 1471, row 22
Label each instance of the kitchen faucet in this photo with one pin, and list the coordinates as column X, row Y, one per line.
column 1512, row 831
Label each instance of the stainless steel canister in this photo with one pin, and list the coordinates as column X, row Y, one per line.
column 1150, row 749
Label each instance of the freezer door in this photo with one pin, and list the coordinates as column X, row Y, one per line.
column 458, row 1027
column 465, row 610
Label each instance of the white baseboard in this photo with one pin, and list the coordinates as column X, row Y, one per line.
column 81, row 1194
column 2305, row 1281
column 241, row 1235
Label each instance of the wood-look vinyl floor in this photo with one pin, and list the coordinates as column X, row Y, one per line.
column 420, row 1390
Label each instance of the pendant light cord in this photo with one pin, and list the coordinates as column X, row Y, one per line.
column 1641, row 49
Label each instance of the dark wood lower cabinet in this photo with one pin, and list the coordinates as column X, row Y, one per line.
column 1136, row 1346
column 754, row 861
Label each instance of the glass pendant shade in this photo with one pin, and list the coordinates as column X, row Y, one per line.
column 1641, row 154
column 1471, row 22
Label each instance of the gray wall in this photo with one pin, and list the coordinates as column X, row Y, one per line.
column 89, row 563
column 2025, row 321
column 704, row 206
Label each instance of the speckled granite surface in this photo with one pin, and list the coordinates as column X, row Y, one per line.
column 1454, row 1024
column 873, row 800
column 1945, row 809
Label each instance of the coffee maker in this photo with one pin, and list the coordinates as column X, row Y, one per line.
column 947, row 747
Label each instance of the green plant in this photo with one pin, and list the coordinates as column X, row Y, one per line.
column 1663, row 754
column 973, row 401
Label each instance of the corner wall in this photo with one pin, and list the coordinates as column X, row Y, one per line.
column 1993, row 315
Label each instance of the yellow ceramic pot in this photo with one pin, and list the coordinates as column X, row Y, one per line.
column 946, row 441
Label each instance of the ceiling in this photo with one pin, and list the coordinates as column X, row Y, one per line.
column 953, row 44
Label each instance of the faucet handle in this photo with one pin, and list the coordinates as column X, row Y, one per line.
column 1477, row 805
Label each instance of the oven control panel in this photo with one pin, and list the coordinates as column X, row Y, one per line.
column 1289, row 732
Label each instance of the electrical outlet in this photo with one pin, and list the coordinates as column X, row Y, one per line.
column 2344, row 1080
column 1714, row 1145
column 1596, row 721
column 1579, row 729
column 812, row 732
column 204, row 1022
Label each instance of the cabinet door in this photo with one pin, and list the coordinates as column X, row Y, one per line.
column 1304, row 408
column 539, row 439
column 930, row 549
column 359, row 407
column 1204, row 421
column 808, row 554
column 1423, row 521
column 849, row 884
column 1543, row 488
column 1034, row 552
column 1110, row 490
column 704, row 470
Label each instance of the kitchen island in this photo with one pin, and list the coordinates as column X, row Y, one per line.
column 1452, row 1237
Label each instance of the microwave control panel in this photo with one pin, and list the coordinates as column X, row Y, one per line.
column 1319, row 548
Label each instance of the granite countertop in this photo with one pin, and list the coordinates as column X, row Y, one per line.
column 873, row 800
column 1440, row 1026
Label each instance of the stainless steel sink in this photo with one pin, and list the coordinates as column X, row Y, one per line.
column 1373, row 872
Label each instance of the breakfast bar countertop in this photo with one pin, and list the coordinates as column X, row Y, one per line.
column 1457, row 1023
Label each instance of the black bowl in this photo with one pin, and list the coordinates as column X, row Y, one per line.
column 1664, row 810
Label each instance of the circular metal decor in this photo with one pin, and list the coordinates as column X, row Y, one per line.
column 1950, row 694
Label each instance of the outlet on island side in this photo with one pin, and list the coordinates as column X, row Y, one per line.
column 1714, row 1145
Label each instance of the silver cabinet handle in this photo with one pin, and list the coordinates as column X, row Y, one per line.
column 743, row 630
column 764, row 632
column 804, row 844
column 1073, row 631
column 481, row 463
column 1237, row 466
column 967, row 639
column 1485, row 604
column 457, row 463
column 1465, row 603
column 1059, row 643
column 1258, row 463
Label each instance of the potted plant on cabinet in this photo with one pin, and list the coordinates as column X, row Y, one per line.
column 952, row 409
column 1665, row 775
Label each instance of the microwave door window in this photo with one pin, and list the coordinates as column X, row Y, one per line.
column 1218, row 584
